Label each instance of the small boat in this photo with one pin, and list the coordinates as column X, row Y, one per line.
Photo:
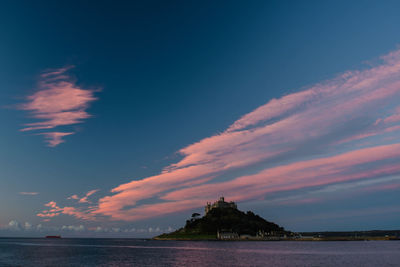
column 53, row 236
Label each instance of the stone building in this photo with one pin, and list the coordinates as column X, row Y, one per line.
column 220, row 204
column 227, row 235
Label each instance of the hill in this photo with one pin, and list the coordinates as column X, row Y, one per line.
column 229, row 221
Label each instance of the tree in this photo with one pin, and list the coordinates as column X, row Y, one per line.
column 195, row 215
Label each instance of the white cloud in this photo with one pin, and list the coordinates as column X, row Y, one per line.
column 76, row 228
column 14, row 226
column 27, row 226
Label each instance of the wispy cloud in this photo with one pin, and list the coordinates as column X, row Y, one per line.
column 339, row 131
column 29, row 193
column 305, row 139
column 53, row 210
column 59, row 101
column 83, row 211
column 55, row 138
column 85, row 198
column 88, row 194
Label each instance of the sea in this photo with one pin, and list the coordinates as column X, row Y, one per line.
column 145, row 252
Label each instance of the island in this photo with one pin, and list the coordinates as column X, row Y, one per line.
column 224, row 221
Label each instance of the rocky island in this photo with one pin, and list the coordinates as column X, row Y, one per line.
column 223, row 221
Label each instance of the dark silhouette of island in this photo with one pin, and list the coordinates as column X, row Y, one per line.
column 222, row 220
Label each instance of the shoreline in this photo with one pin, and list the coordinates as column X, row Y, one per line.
column 366, row 235
column 283, row 239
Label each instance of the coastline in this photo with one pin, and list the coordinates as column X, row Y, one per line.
column 326, row 239
column 374, row 235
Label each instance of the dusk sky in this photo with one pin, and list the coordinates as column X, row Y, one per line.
column 123, row 118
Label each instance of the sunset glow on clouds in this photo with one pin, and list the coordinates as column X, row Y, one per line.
column 84, row 213
column 85, row 198
column 332, row 133
column 59, row 101
column 54, row 210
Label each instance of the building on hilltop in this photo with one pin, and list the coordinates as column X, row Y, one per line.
column 220, row 204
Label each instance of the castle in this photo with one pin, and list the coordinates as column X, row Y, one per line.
column 220, row 204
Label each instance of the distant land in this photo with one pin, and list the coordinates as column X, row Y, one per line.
column 352, row 235
column 224, row 221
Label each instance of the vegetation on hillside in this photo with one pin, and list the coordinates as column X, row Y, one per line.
column 226, row 219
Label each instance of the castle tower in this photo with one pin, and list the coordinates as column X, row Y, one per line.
column 219, row 204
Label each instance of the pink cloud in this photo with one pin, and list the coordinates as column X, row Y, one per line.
column 295, row 142
column 152, row 210
column 47, row 215
column 84, row 199
column 302, row 174
column 393, row 118
column 282, row 178
column 55, row 138
column 54, row 210
column 77, row 213
column 51, row 204
column 273, row 109
column 58, row 102
column 88, row 194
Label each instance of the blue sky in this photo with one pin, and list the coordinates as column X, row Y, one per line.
column 162, row 77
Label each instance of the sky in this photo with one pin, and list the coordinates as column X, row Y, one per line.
column 122, row 118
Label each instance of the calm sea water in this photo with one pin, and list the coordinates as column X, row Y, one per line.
column 135, row 252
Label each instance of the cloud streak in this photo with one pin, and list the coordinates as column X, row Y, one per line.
column 29, row 193
column 88, row 194
column 53, row 210
column 59, row 101
column 85, row 198
column 330, row 133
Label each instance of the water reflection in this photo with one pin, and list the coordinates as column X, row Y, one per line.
column 133, row 252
